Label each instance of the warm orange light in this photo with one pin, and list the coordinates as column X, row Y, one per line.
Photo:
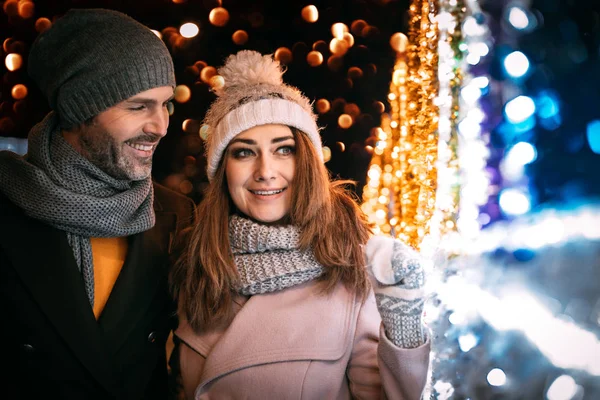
column 239, row 37
column 190, row 126
column 323, row 106
column 352, row 110
column 207, row 73
column 19, row 91
column 345, row 121
column 314, row 58
column 11, row 8
column 348, row 38
column 357, row 27
column 218, row 16
column 338, row 29
column 339, row 47
column 379, row 107
column 217, row 82
column 335, row 62
column 182, row 93
column 310, row 14
column 283, row 55
column 399, row 41
column 26, row 9
column 355, row 73
column 13, row 61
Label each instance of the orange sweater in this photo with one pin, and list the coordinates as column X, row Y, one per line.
column 109, row 256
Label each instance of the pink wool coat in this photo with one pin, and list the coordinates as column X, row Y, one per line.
column 299, row 344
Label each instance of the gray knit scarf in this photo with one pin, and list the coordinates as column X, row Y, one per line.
column 55, row 184
column 268, row 258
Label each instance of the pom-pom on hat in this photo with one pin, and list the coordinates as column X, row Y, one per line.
column 254, row 94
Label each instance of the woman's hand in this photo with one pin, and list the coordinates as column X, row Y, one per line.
column 397, row 275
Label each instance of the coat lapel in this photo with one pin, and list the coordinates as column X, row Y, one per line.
column 144, row 272
column 42, row 257
column 295, row 324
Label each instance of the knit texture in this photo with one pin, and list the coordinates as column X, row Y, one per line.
column 398, row 276
column 268, row 258
column 56, row 185
column 254, row 94
column 92, row 59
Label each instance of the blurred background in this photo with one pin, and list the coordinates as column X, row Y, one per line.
column 515, row 315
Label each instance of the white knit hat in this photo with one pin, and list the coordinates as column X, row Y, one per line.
column 254, row 94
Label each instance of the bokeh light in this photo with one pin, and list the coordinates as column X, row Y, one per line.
column 516, row 64
column 207, row 73
column 189, row 30
column 182, row 94
column 218, row 16
column 338, row 47
column 42, row 24
column 314, row 58
column 514, row 202
column 338, row 29
column 496, row 377
column 345, row 121
column 323, row 106
column 240, row 37
column 19, row 91
column 283, row 55
column 217, row 82
column 310, row 14
column 13, row 61
column 519, row 109
column 358, row 26
column 26, row 9
column 399, row 41
column 326, row 153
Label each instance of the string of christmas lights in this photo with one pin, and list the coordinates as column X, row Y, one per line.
column 400, row 192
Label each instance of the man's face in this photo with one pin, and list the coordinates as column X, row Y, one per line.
column 121, row 140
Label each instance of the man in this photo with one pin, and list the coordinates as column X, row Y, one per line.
column 85, row 234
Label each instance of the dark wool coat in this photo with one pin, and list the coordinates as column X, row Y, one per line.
column 52, row 344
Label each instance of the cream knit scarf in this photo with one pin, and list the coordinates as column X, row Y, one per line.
column 268, row 258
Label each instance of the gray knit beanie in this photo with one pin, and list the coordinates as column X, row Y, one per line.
column 254, row 94
column 92, row 59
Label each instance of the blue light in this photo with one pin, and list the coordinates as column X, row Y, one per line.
column 519, row 109
column 547, row 104
column 593, row 136
column 516, row 64
column 518, row 18
column 514, row 202
column 548, row 109
column 522, row 153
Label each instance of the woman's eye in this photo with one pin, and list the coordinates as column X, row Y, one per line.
column 285, row 150
column 241, row 153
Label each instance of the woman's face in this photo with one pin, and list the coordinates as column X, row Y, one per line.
column 259, row 166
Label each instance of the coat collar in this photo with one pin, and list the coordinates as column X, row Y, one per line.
column 42, row 257
column 294, row 324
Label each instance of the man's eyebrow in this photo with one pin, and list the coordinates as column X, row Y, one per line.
column 251, row 141
column 147, row 100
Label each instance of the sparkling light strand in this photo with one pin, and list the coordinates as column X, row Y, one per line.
column 419, row 178
column 462, row 178
column 403, row 169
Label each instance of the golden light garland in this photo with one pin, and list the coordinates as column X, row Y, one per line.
column 404, row 175
column 427, row 176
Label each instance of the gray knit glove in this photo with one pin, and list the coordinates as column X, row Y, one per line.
column 397, row 275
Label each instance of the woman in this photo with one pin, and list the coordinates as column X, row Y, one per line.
column 274, row 296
